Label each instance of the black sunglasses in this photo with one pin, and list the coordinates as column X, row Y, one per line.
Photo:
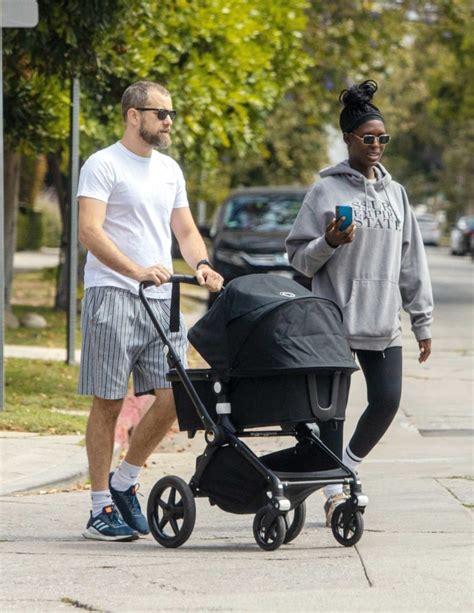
column 369, row 139
column 162, row 114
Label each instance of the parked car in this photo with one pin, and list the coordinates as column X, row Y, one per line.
column 249, row 231
column 430, row 228
column 462, row 236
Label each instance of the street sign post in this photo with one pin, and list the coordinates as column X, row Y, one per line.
column 14, row 14
column 73, row 246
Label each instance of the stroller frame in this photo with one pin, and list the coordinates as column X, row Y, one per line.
column 286, row 491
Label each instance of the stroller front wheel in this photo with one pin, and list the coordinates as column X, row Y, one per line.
column 171, row 511
column 269, row 530
column 347, row 525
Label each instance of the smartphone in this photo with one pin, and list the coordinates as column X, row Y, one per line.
column 344, row 210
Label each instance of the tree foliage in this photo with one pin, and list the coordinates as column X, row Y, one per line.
column 431, row 96
column 39, row 61
column 226, row 64
column 255, row 83
column 346, row 41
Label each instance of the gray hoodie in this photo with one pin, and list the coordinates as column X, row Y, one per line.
column 384, row 268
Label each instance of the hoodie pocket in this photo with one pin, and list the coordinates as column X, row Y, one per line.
column 373, row 309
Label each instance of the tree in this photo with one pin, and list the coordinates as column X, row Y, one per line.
column 37, row 63
column 432, row 96
column 421, row 54
column 227, row 63
column 346, row 41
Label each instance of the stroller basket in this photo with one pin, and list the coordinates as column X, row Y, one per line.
column 237, row 487
column 265, row 401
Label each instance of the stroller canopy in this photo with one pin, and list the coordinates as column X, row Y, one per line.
column 266, row 324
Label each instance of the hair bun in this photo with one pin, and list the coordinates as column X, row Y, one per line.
column 358, row 95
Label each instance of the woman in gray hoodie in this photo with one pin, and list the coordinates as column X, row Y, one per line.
column 371, row 270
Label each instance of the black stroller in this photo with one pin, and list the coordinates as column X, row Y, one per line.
column 278, row 359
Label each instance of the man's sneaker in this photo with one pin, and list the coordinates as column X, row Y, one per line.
column 109, row 526
column 331, row 503
column 128, row 505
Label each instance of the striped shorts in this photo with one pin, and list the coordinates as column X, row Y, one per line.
column 119, row 339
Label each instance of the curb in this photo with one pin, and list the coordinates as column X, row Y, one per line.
column 52, row 480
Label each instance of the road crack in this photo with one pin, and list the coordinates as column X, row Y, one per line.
column 81, row 605
column 366, row 573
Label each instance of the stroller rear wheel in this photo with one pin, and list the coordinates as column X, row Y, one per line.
column 171, row 511
column 295, row 525
column 347, row 525
column 269, row 530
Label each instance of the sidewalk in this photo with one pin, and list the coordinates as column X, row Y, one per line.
column 415, row 554
column 46, row 257
column 34, row 462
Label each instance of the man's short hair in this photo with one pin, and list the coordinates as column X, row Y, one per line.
column 136, row 95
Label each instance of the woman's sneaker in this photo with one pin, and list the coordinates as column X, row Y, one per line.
column 331, row 503
column 108, row 526
column 129, row 507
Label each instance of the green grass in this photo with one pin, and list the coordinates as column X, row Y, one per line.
column 35, row 390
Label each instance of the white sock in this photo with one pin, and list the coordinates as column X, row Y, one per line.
column 99, row 501
column 351, row 461
column 332, row 490
column 125, row 476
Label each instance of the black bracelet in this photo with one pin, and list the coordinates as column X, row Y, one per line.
column 202, row 262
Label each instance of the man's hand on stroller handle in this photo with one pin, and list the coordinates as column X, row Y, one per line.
column 189, row 279
column 209, row 278
column 156, row 274
column 159, row 275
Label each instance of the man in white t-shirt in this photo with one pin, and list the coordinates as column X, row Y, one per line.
column 131, row 199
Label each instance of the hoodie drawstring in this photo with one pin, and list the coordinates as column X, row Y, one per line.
column 366, row 193
column 390, row 205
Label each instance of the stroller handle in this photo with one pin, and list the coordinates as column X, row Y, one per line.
column 171, row 355
column 173, row 279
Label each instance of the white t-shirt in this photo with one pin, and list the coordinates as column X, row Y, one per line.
column 140, row 194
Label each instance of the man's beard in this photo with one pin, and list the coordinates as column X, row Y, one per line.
column 155, row 139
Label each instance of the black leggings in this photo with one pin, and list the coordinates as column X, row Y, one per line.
column 383, row 376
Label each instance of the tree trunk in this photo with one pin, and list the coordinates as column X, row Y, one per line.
column 60, row 183
column 61, row 300
column 12, row 190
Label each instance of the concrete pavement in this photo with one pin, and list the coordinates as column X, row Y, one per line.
column 33, row 462
column 46, row 257
column 415, row 554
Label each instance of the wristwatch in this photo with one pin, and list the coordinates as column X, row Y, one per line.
column 202, row 262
